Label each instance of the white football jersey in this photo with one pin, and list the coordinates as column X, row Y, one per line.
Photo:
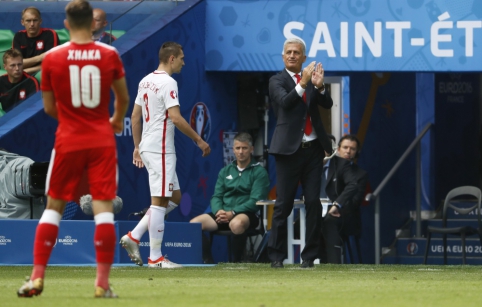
column 157, row 92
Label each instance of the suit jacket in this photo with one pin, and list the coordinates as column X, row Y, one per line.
column 291, row 112
column 341, row 183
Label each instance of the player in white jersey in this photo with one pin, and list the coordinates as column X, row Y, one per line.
column 157, row 93
column 158, row 104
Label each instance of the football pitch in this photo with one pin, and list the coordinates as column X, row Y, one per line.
column 254, row 285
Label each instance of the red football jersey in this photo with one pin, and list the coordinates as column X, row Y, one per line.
column 80, row 77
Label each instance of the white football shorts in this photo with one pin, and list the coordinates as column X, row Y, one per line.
column 162, row 173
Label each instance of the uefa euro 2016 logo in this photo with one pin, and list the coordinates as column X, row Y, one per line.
column 200, row 120
column 412, row 248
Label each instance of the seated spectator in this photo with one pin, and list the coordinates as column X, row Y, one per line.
column 15, row 85
column 238, row 187
column 34, row 41
column 344, row 183
column 100, row 22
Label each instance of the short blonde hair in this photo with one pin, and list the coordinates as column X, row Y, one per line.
column 11, row 53
column 33, row 10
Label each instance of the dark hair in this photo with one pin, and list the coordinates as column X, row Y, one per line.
column 11, row 53
column 244, row 137
column 79, row 14
column 352, row 138
column 34, row 9
column 168, row 49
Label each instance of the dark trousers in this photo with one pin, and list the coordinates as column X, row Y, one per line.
column 238, row 245
column 303, row 166
column 332, row 250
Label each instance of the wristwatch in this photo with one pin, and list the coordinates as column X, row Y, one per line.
column 233, row 213
column 320, row 89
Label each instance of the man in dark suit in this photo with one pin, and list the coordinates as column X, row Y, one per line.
column 344, row 184
column 298, row 144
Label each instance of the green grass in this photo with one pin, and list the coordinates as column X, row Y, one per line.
column 257, row 285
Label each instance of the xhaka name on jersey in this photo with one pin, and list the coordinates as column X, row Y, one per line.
column 84, row 55
column 148, row 85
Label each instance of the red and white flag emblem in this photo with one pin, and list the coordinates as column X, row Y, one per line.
column 173, row 94
column 40, row 45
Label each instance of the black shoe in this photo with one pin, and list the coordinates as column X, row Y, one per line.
column 277, row 264
column 307, row 264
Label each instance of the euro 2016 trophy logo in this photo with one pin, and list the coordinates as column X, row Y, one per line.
column 412, row 248
column 200, row 120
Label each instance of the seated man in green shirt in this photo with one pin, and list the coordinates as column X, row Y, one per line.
column 238, row 187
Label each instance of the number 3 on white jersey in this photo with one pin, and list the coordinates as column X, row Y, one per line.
column 85, row 86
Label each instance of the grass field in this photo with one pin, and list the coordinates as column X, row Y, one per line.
column 255, row 285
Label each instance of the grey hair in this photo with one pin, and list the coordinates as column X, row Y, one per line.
column 244, row 137
column 295, row 40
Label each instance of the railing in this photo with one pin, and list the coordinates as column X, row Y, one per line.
column 375, row 195
column 121, row 15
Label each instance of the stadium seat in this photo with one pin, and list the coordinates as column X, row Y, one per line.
column 71, row 209
column 453, row 203
column 64, row 35
column 259, row 230
column 38, row 76
column 6, row 38
column 117, row 33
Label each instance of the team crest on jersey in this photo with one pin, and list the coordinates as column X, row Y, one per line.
column 171, row 187
column 173, row 94
column 40, row 45
column 22, row 95
column 200, row 120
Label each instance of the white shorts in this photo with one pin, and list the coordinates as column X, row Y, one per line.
column 162, row 173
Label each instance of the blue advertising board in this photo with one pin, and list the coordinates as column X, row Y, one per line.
column 75, row 242
column 181, row 243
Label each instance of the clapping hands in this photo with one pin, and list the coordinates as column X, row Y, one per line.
column 318, row 76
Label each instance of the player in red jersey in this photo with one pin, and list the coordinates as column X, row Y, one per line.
column 34, row 41
column 76, row 82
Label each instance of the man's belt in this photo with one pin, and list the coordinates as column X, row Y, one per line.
column 308, row 144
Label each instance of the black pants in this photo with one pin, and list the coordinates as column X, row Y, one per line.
column 238, row 247
column 303, row 166
column 332, row 248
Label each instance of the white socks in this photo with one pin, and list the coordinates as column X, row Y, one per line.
column 142, row 226
column 50, row 216
column 156, row 231
column 170, row 206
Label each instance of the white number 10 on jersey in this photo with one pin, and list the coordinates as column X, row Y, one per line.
column 85, row 86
